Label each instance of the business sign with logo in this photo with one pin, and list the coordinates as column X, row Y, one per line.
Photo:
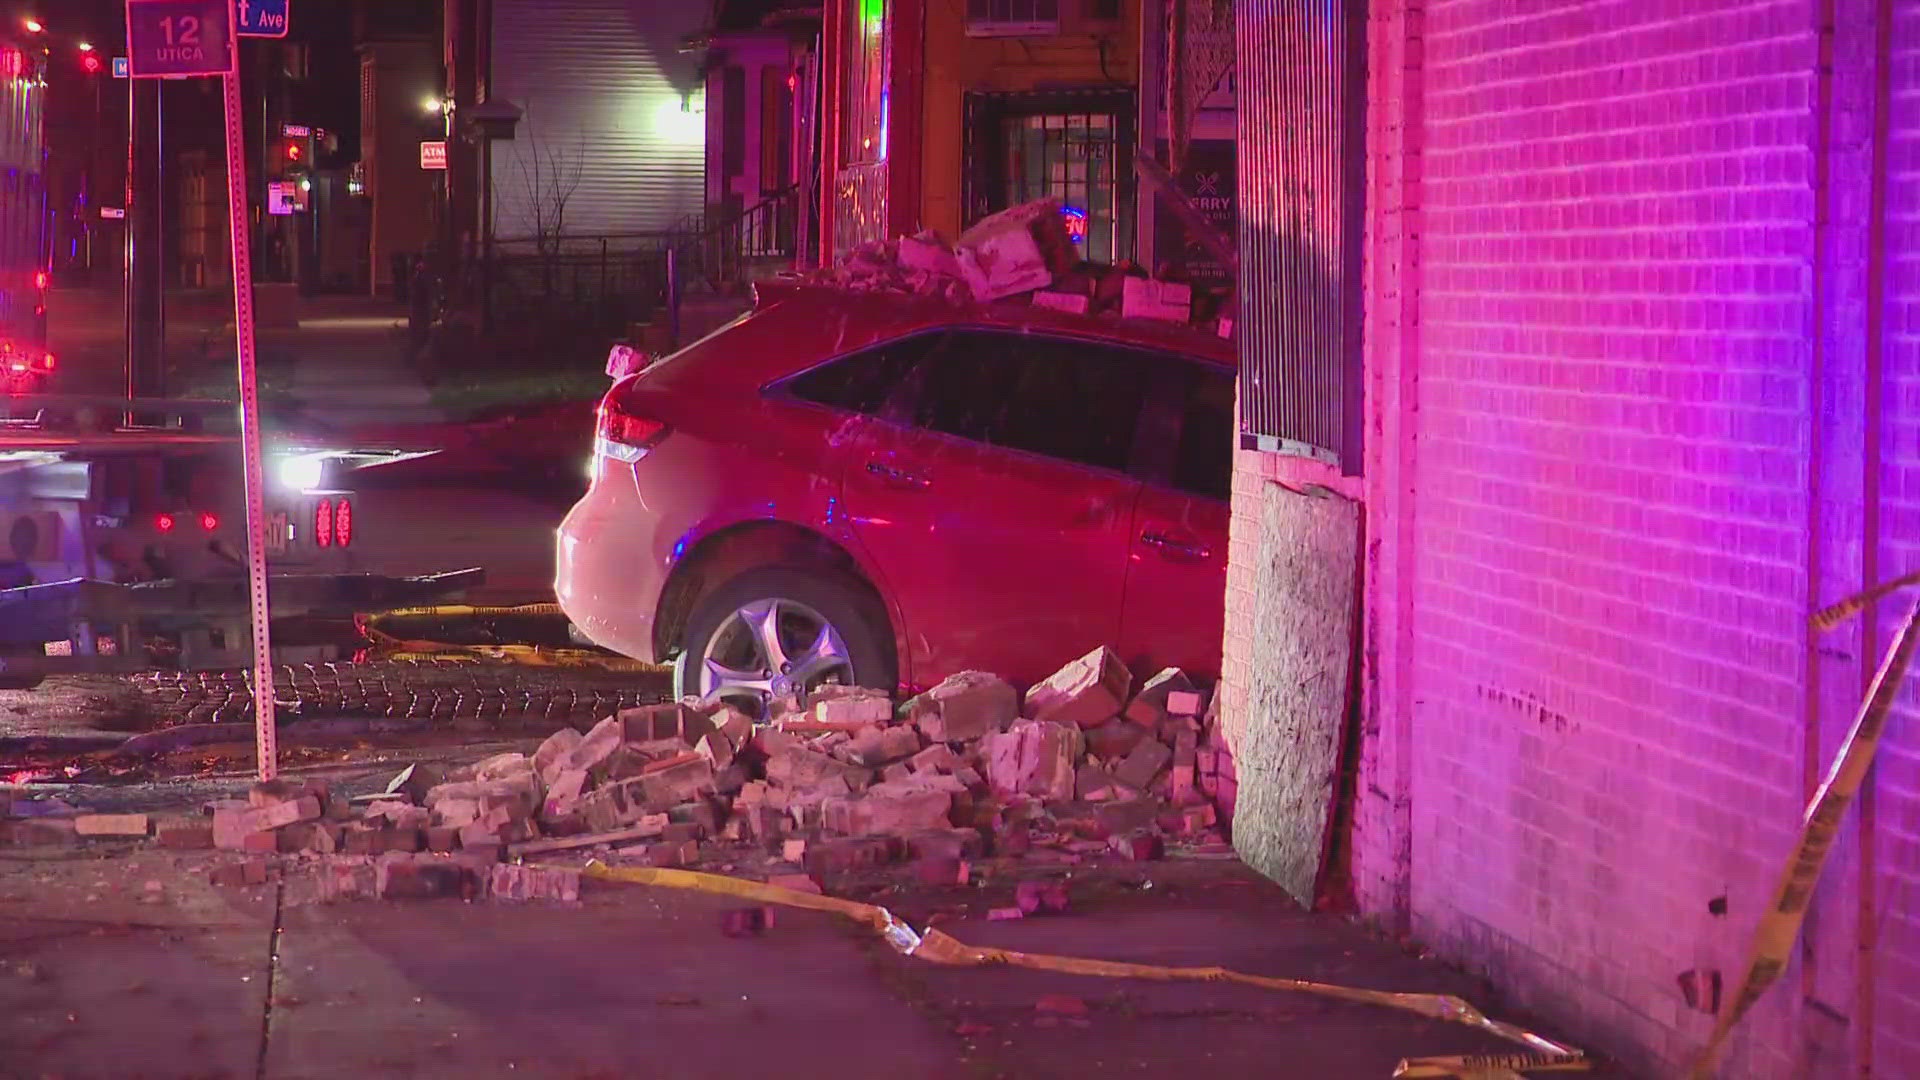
column 120, row 70
column 1209, row 180
column 433, row 155
column 112, row 213
column 282, row 197
column 295, row 131
column 179, row 38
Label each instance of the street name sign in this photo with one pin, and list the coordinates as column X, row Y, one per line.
column 263, row 18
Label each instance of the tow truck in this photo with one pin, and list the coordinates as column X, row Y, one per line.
column 123, row 538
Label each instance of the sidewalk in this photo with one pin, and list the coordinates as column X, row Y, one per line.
column 129, row 963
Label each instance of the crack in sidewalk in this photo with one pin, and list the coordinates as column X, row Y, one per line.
column 273, row 978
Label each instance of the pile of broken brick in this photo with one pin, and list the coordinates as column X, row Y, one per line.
column 839, row 783
column 1019, row 255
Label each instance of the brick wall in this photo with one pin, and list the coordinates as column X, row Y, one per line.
column 1625, row 338
column 1894, row 806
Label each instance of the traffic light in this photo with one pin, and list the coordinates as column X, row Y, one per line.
column 293, row 151
column 91, row 63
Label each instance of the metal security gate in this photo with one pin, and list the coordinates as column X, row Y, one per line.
column 1303, row 85
column 1076, row 146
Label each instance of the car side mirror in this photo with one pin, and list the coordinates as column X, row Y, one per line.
column 624, row 360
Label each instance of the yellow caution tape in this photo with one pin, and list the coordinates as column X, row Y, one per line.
column 384, row 646
column 1780, row 923
column 941, row 948
column 1491, row 1065
column 524, row 655
column 1829, row 617
column 468, row 611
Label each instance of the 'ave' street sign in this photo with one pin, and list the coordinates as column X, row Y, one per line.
column 263, row 18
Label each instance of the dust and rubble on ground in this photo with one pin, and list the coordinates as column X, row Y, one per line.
column 840, row 782
column 1020, row 255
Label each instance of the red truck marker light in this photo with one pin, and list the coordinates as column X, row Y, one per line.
column 343, row 523
column 165, row 523
column 209, row 522
column 323, row 523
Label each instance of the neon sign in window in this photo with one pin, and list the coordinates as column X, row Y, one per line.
column 1076, row 224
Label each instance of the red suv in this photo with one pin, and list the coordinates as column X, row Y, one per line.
column 884, row 491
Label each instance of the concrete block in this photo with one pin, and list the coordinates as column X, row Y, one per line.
column 965, row 707
column 1149, row 706
column 111, row 825
column 1087, row 692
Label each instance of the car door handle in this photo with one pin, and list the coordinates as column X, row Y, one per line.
column 898, row 477
column 1174, row 549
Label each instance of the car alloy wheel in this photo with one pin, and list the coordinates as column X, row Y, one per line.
column 772, row 648
column 781, row 632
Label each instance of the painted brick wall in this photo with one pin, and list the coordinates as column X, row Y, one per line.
column 1599, row 316
column 1894, row 808
column 1643, row 381
column 1611, row 500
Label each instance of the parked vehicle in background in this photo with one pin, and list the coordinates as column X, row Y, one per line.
column 877, row 490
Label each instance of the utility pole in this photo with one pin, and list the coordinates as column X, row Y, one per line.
column 145, row 287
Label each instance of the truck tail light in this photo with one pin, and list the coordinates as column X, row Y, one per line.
column 41, row 280
column 209, row 522
column 47, row 363
column 323, row 523
column 165, row 522
column 622, row 434
column 343, row 523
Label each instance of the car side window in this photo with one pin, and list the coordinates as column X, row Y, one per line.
column 1074, row 401
column 1203, row 461
column 863, row 381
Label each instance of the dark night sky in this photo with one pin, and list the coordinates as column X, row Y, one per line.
column 327, row 27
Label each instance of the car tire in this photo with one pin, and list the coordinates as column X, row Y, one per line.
column 845, row 602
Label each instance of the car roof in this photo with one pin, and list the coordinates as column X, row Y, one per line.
column 875, row 316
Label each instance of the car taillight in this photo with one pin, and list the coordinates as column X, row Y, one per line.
column 47, row 362
column 165, row 523
column 624, row 435
column 323, row 523
column 40, row 279
column 343, row 523
column 208, row 522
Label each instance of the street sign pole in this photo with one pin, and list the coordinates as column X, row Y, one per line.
column 184, row 39
column 265, row 741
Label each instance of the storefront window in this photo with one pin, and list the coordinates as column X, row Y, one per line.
column 1074, row 146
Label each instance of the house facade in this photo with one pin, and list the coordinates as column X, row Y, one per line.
column 612, row 137
column 937, row 114
column 1579, row 364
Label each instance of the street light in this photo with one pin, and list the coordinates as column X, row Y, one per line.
column 35, row 26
